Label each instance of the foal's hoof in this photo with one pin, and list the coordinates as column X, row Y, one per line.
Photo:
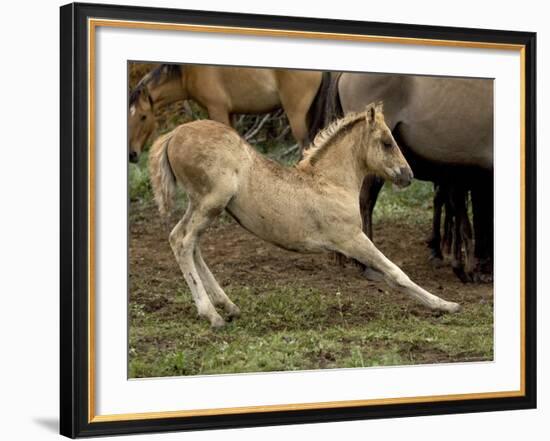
column 217, row 323
column 233, row 312
column 452, row 307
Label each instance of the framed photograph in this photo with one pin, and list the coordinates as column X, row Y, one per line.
column 274, row 220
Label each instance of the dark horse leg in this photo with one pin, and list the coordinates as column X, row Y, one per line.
column 434, row 241
column 482, row 203
column 448, row 226
column 462, row 260
column 367, row 200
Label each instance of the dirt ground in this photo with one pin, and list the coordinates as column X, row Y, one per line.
column 236, row 257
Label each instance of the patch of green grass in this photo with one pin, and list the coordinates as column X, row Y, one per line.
column 412, row 204
column 296, row 328
column 139, row 185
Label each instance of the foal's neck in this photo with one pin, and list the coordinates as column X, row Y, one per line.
column 341, row 162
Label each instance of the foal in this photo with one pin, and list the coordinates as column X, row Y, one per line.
column 311, row 207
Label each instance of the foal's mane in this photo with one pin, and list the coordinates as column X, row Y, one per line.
column 326, row 137
column 153, row 77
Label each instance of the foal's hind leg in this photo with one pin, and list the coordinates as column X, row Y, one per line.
column 184, row 239
column 215, row 291
column 359, row 247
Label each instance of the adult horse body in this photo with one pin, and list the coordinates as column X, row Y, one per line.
column 222, row 91
column 444, row 127
column 311, row 207
column 444, row 121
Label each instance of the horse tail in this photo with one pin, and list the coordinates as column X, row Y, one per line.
column 316, row 113
column 326, row 106
column 163, row 180
column 333, row 109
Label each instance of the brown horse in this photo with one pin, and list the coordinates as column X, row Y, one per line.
column 222, row 91
column 444, row 126
column 310, row 208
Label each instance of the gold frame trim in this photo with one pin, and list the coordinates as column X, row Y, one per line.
column 92, row 25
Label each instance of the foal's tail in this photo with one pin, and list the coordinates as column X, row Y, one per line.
column 162, row 177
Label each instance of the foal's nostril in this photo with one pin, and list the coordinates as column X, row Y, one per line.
column 133, row 157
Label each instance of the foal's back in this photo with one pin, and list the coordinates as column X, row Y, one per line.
column 212, row 162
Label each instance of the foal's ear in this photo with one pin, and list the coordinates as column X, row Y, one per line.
column 379, row 107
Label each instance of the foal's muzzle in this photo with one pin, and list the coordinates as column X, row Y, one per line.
column 133, row 157
column 403, row 177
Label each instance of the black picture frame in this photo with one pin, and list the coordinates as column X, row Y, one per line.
column 74, row 354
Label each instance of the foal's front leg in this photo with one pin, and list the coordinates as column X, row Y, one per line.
column 359, row 247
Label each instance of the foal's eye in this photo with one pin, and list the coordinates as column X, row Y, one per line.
column 388, row 145
column 143, row 117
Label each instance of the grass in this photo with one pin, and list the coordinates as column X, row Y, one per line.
column 139, row 186
column 412, row 204
column 293, row 327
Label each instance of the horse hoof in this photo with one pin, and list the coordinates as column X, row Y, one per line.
column 461, row 274
column 233, row 313
column 372, row 275
column 480, row 277
column 452, row 307
column 486, row 278
column 217, row 323
column 437, row 262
